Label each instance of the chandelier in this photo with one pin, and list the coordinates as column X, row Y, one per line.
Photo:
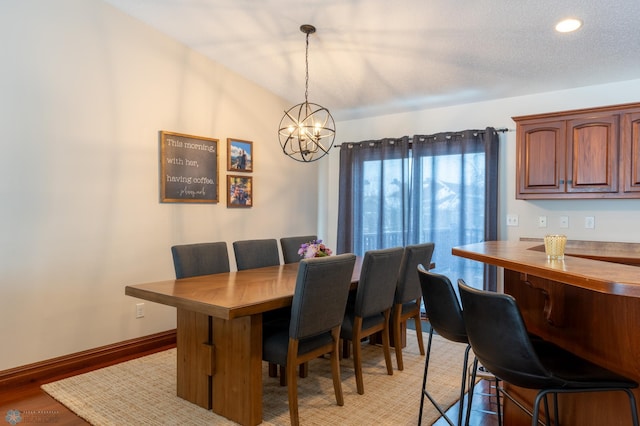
column 307, row 130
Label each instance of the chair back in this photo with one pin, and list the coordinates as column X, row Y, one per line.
column 499, row 337
column 191, row 260
column 291, row 245
column 256, row 253
column 320, row 296
column 378, row 279
column 408, row 282
column 442, row 305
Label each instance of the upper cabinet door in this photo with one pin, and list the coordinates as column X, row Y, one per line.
column 541, row 157
column 592, row 154
column 630, row 151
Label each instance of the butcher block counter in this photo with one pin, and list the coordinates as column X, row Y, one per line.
column 588, row 303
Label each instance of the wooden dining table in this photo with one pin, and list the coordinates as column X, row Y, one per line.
column 219, row 333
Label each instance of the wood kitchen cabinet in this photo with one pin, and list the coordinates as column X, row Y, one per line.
column 589, row 153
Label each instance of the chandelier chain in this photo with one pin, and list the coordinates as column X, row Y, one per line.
column 306, row 64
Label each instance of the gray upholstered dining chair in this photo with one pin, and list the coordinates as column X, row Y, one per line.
column 190, row 260
column 408, row 297
column 317, row 311
column 370, row 310
column 500, row 340
column 291, row 245
column 256, row 253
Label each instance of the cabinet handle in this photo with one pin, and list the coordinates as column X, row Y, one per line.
column 561, row 182
column 569, row 182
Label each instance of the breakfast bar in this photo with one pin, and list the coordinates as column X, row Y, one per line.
column 588, row 303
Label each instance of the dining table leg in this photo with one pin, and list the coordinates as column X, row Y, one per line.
column 237, row 369
column 194, row 343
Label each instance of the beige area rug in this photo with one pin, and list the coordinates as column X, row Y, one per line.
column 142, row 391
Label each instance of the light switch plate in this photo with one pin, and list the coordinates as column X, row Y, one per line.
column 542, row 221
column 589, row 222
column 564, row 221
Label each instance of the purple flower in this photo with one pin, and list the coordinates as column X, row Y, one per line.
column 314, row 248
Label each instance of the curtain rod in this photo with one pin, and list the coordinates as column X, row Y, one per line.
column 499, row 130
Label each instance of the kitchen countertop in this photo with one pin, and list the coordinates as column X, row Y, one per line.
column 584, row 264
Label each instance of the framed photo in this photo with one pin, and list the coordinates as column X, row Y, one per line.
column 239, row 155
column 239, row 191
column 188, row 168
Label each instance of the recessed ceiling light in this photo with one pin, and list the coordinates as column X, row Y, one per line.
column 568, row 25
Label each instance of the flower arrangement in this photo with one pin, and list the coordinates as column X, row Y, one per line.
column 314, row 248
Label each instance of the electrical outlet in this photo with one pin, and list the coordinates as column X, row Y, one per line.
column 139, row 310
column 512, row 220
column 589, row 222
column 564, row 221
column 542, row 221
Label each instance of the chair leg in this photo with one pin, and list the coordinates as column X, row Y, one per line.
column 397, row 320
column 386, row 343
column 273, row 370
column 471, row 388
column 536, row 407
column 292, row 381
column 397, row 337
column 304, row 370
column 465, row 366
column 546, row 408
column 283, row 376
column 335, row 367
column 357, row 355
column 632, row 403
column 345, row 349
column 424, row 377
column 418, row 323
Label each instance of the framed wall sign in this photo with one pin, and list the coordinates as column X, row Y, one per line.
column 188, row 168
column 239, row 191
column 239, row 155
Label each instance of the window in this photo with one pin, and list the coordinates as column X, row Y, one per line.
column 381, row 221
column 439, row 188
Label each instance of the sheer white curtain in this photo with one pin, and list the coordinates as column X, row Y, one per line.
column 439, row 188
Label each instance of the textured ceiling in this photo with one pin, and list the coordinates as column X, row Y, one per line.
column 372, row 57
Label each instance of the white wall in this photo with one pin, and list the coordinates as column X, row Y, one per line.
column 84, row 91
column 615, row 220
